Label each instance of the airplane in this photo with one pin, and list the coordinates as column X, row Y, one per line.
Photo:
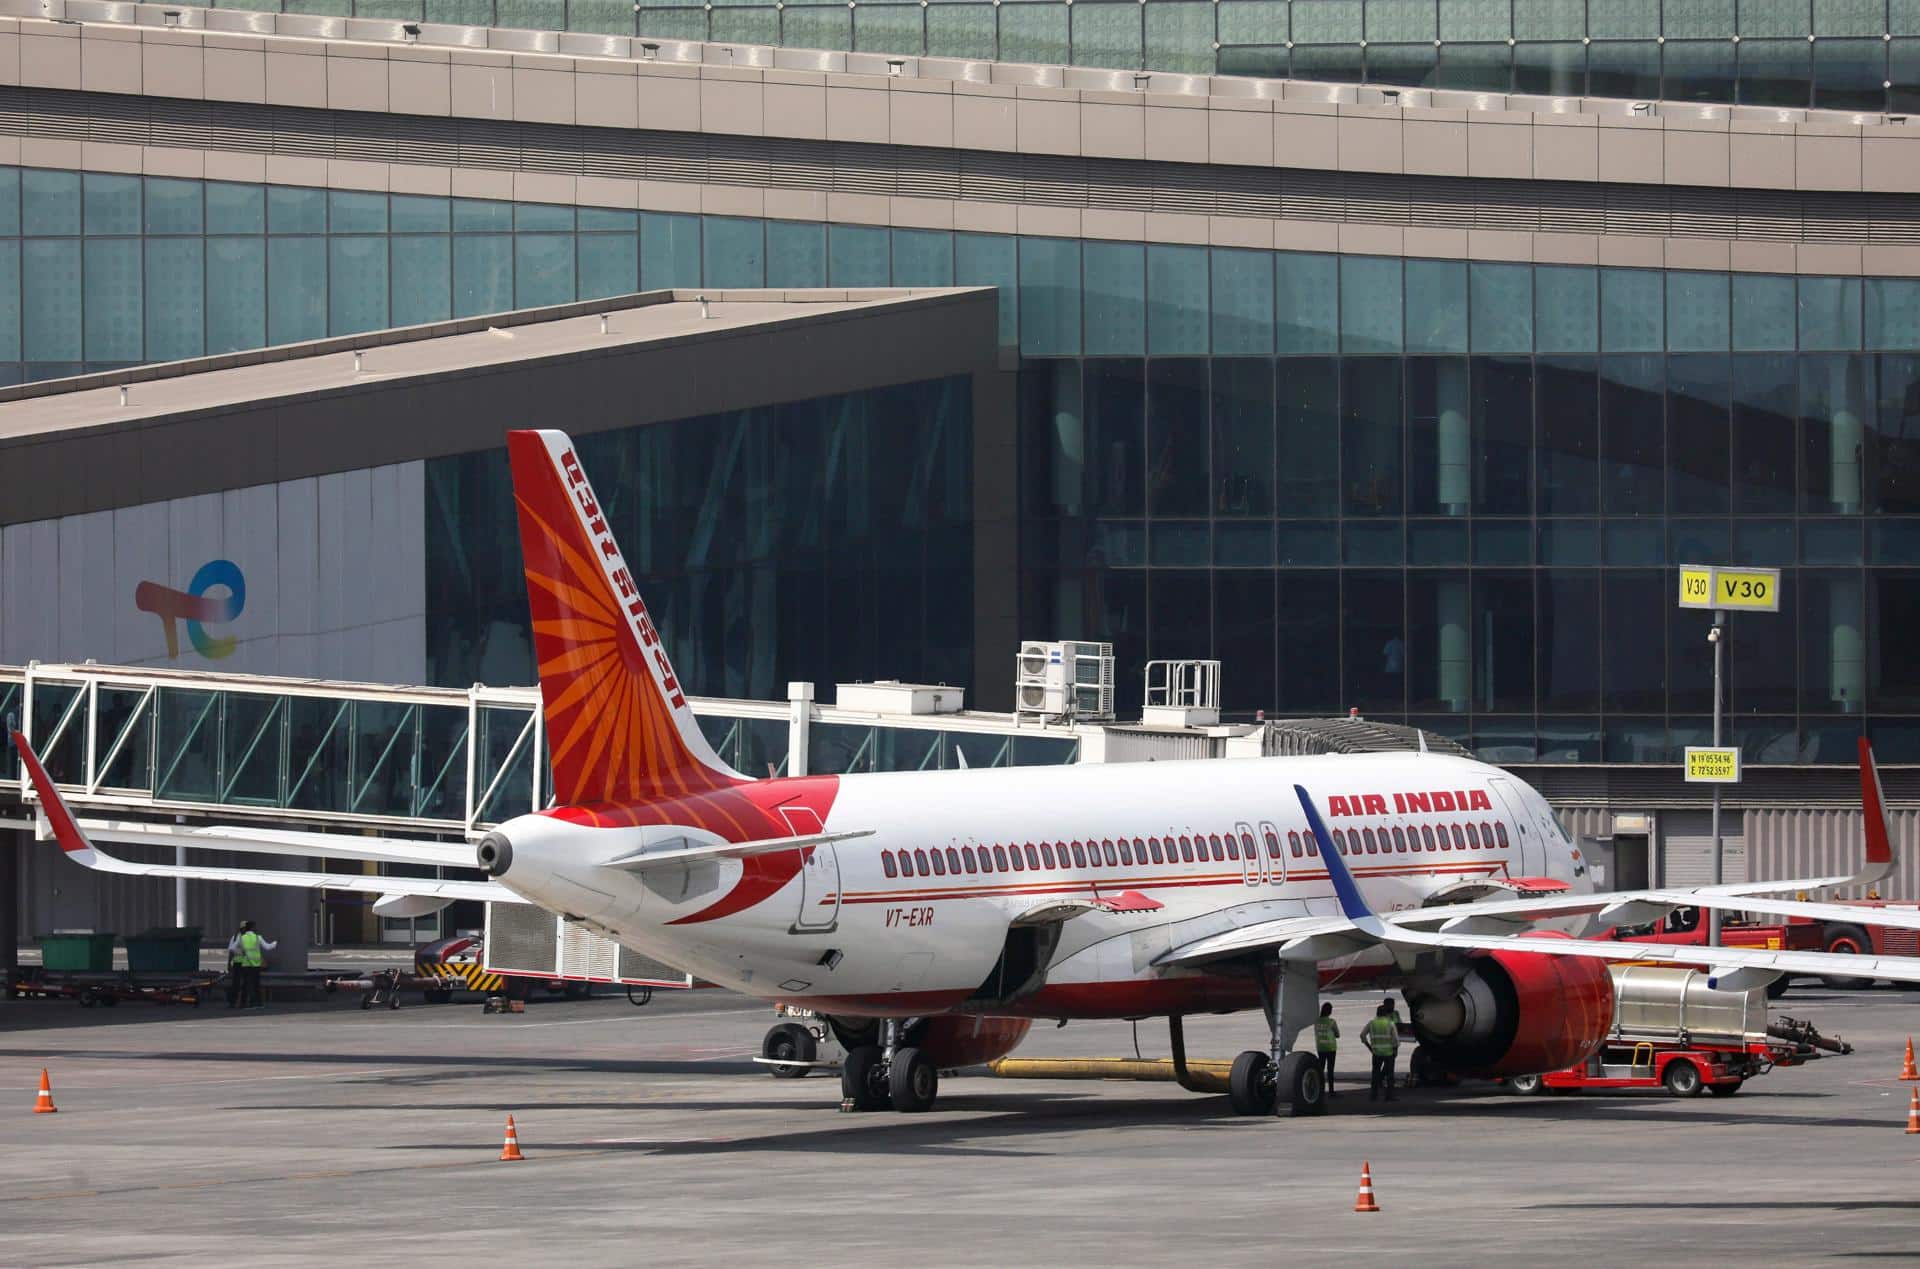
column 932, row 917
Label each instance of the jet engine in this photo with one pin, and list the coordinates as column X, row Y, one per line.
column 1517, row 1013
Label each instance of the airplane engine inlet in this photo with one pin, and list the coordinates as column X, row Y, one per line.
column 1518, row 1013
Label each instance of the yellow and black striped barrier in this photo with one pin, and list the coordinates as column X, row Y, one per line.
column 462, row 976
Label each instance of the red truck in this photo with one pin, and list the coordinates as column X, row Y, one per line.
column 1861, row 938
column 1688, row 927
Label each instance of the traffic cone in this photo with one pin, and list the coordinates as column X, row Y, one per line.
column 1913, row 1113
column 510, row 1153
column 43, row 1104
column 1907, row 1071
column 1365, row 1202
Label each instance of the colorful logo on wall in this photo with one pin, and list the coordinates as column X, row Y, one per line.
column 197, row 608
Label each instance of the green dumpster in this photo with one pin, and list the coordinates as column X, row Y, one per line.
column 164, row 951
column 77, row 949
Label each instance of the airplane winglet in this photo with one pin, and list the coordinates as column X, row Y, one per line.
column 66, row 830
column 1351, row 904
column 1873, row 804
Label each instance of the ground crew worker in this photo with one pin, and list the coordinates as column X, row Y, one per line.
column 1383, row 1041
column 248, row 952
column 1326, row 1040
column 233, row 970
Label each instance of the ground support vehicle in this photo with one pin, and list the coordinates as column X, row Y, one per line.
column 109, row 988
column 1685, row 927
column 1860, row 938
column 799, row 1044
column 1671, row 1030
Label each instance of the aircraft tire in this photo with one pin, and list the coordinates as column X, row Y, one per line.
column 1250, row 1086
column 1298, row 1079
column 913, row 1082
column 859, row 1079
column 793, row 1042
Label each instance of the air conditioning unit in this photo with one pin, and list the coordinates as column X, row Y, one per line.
column 1064, row 679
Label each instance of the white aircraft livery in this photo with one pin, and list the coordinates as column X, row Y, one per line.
column 932, row 916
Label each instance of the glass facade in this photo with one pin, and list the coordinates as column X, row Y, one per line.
column 1832, row 54
column 1437, row 490
column 828, row 540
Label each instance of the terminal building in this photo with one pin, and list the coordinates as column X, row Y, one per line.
column 1392, row 353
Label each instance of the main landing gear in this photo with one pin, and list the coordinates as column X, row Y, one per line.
column 891, row 1073
column 1278, row 1081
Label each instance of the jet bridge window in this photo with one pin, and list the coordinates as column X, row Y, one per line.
column 887, row 865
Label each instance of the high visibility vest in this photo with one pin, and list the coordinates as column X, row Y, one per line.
column 1326, row 1035
column 250, row 949
column 1383, row 1036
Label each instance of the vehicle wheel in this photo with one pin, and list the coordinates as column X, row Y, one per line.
column 1527, row 1085
column 1778, row 987
column 789, row 1042
column 87, row 999
column 914, row 1081
column 1682, row 1078
column 1726, row 1090
column 862, row 1080
column 109, row 1000
column 393, row 999
column 1298, row 1078
column 366, row 1001
column 1250, row 1086
column 1847, row 940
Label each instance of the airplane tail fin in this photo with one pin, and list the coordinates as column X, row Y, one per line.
column 618, row 725
column 1873, row 804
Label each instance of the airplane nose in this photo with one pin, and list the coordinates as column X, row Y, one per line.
column 495, row 854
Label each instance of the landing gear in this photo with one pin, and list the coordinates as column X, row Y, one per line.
column 1280, row 1081
column 891, row 1073
column 914, row 1081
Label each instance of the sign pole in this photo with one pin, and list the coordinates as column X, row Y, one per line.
column 1718, row 636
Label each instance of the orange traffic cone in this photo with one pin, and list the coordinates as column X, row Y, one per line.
column 1913, row 1113
column 510, row 1153
column 1907, row 1071
column 1365, row 1202
column 43, row 1104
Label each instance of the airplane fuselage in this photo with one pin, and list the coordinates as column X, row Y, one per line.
column 1122, row 861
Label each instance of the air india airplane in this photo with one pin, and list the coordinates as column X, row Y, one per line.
column 930, row 917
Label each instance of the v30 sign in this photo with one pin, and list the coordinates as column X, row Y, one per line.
column 1742, row 589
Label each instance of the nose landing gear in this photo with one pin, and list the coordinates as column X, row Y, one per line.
column 876, row 1076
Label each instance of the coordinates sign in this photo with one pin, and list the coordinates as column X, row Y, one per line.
column 1712, row 766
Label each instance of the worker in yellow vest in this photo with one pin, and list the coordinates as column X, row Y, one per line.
column 1326, row 1042
column 1382, row 1037
column 247, row 954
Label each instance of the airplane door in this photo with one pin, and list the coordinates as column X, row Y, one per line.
column 819, row 875
column 1275, row 852
column 1252, row 867
column 1530, row 850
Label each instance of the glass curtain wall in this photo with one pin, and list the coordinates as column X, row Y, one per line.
column 1452, row 492
column 1831, row 54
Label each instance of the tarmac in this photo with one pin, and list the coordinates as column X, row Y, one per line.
column 321, row 1134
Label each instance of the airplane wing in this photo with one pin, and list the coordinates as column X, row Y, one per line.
column 660, row 856
column 1499, row 925
column 74, row 841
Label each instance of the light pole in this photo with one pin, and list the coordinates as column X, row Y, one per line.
column 1716, row 635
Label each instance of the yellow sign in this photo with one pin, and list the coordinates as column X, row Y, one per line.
column 1712, row 766
column 1743, row 589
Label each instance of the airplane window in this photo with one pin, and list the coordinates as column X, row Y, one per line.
column 1246, row 845
column 886, row 862
column 1079, row 855
column 1186, row 848
column 1293, row 843
column 1273, row 843
column 1033, row 857
column 1113, row 858
column 1399, row 838
column 1459, row 841
column 1000, row 857
column 1426, row 835
column 1219, row 851
column 966, row 853
column 1139, row 851
column 1366, row 835
column 1500, row 832
column 1312, row 844
column 1473, row 836
column 1486, row 835
column 920, row 862
column 1340, row 840
column 1153, row 844
column 1233, row 846
column 1126, row 852
column 1046, row 853
column 939, row 865
column 953, row 861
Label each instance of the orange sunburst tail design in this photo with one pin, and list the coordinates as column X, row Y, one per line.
column 618, row 724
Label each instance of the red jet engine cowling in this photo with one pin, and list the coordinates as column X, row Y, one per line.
column 955, row 1041
column 1518, row 1013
